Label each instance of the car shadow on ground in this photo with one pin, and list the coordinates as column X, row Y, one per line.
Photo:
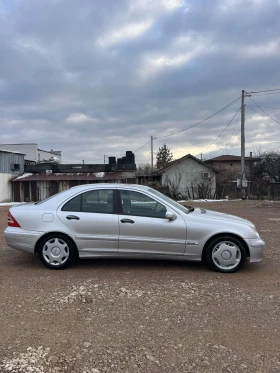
column 22, row 261
column 137, row 264
column 148, row 265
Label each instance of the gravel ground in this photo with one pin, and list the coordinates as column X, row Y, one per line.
column 143, row 316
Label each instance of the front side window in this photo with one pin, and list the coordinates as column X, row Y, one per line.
column 173, row 203
column 138, row 204
column 95, row 201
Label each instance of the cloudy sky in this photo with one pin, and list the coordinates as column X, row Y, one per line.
column 95, row 77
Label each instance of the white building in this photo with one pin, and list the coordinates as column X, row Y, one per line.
column 188, row 177
column 11, row 165
column 32, row 153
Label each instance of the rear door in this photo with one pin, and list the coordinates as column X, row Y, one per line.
column 144, row 228
column 92, row 217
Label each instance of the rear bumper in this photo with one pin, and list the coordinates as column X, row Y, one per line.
column 22, row 240
column 256, row 248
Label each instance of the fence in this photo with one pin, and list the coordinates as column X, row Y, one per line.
column 257, row 189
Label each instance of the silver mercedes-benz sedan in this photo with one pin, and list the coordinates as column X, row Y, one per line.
column 129, row 221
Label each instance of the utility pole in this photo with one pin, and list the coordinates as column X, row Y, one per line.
column 152, row 152
column 104, row 158
column 243, row 175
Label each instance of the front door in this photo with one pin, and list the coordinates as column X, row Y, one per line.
column 92, row 217
column 144, row 228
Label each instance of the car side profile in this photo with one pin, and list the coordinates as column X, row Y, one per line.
column 129, row 221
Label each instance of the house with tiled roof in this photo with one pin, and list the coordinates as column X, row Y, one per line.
column 232, row 164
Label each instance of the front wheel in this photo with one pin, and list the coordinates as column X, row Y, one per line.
column 56, row 251
column 225, row 254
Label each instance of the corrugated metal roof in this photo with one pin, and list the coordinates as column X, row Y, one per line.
column 11, row 151
column 71, row 176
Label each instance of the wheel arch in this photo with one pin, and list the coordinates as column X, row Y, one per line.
column 50, row 234
column 233, row 235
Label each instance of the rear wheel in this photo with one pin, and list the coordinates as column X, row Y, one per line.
column 56, row 251
column 225, row 254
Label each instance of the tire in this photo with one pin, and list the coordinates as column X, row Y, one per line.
column 225, row 254
column 56, row 251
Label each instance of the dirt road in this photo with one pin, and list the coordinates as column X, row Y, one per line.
column 143, row 316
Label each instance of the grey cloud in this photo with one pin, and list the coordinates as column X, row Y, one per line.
column 52, row 67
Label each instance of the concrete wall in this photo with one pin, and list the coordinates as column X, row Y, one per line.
column 186, row 175
column 233, row 168
column 7, row 171
column 30, row 150
column 5, row 188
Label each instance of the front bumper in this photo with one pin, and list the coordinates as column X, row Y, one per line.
column 256, row 247
column 22, row 240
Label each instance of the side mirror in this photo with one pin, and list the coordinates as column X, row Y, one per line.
column 170, row 215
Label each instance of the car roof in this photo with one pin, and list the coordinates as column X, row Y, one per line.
column 59, row 198
column 110, row 185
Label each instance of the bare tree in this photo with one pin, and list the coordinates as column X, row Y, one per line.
column 144, row 169
column 174, row 185
column 268, row 168
column 225, row 182
column 204, row 189
column 266, row 175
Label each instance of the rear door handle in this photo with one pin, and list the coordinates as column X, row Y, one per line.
column 127, row 221
column 72, row 217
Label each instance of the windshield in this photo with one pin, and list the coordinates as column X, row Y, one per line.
column 170, row 201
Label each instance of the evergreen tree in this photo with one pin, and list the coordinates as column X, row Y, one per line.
column 164, row 156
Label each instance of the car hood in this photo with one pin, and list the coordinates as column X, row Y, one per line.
column 220, row 216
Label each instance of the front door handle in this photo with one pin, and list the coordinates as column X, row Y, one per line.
column 127, row 221
column 72, row 217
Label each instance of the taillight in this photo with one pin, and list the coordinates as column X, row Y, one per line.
column 12, row 221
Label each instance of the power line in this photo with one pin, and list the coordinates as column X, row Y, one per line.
column 266, row 107
column 229, row 142
column 275, row 120
column 232, row 137
column 196, row 124
column 256, row 111
column 267, row 94
column 267, row 90
column 222, row 131
column 142, row 146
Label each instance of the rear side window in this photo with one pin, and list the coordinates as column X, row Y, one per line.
column 73, row 205
column 94, row 201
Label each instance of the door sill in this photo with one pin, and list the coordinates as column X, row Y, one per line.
column 117, row 255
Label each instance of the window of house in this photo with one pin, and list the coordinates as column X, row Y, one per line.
column 94, row 201
column 138, row 204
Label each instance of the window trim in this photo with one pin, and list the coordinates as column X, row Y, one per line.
column 119, row 200
column 115, row 206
